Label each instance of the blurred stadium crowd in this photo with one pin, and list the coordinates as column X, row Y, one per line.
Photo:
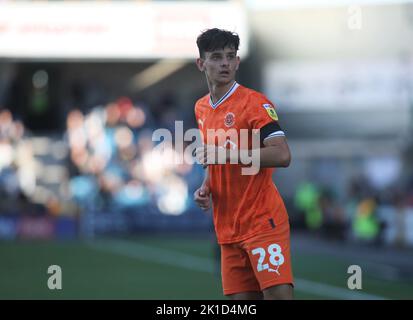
column 368, row 214
column 110, row 164
column 114, row 163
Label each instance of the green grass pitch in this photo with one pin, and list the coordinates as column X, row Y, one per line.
column 155, row 267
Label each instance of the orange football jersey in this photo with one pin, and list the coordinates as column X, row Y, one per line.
column 243, row 205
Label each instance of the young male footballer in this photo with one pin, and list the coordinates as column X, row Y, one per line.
column 250, row 218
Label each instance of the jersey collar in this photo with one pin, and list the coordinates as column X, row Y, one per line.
column 231, row 90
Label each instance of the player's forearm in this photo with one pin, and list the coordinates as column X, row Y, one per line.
column 274, row 156
column 266, row 157
column 206, row 178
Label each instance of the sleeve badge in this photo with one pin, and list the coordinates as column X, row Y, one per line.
column 271, row 111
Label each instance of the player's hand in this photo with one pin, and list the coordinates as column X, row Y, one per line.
column 210, row 154
column 202, row 198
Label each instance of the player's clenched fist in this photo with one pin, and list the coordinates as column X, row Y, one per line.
column 210, row 154
column 202, row 198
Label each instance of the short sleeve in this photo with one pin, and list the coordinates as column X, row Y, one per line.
column 198, row 117
column 261, row 112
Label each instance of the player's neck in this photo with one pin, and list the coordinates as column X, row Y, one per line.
column 218, row 91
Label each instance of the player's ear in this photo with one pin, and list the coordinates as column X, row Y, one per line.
column 200, row 64
column 238, row 62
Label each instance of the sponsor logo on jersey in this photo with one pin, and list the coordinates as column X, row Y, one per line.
column 271, row 111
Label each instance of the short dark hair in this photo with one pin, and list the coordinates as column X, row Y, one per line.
column 213, row 39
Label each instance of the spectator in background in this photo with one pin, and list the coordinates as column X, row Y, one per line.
column 17, row 169
column 401, row 207
column 333, row 217
column 307, row 203
column 365, row 224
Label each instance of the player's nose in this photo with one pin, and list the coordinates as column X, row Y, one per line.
column 225, row 62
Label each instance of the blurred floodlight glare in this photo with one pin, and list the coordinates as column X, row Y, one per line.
column 158, row 162
column 173, row 196
column 153, row 166
column 383, row 171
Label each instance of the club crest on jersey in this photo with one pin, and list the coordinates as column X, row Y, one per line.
column 271, row 111
column 229, row 119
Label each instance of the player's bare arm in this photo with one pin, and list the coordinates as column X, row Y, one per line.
column 275, row 153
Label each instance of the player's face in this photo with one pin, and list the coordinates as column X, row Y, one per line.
column 220, row 65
